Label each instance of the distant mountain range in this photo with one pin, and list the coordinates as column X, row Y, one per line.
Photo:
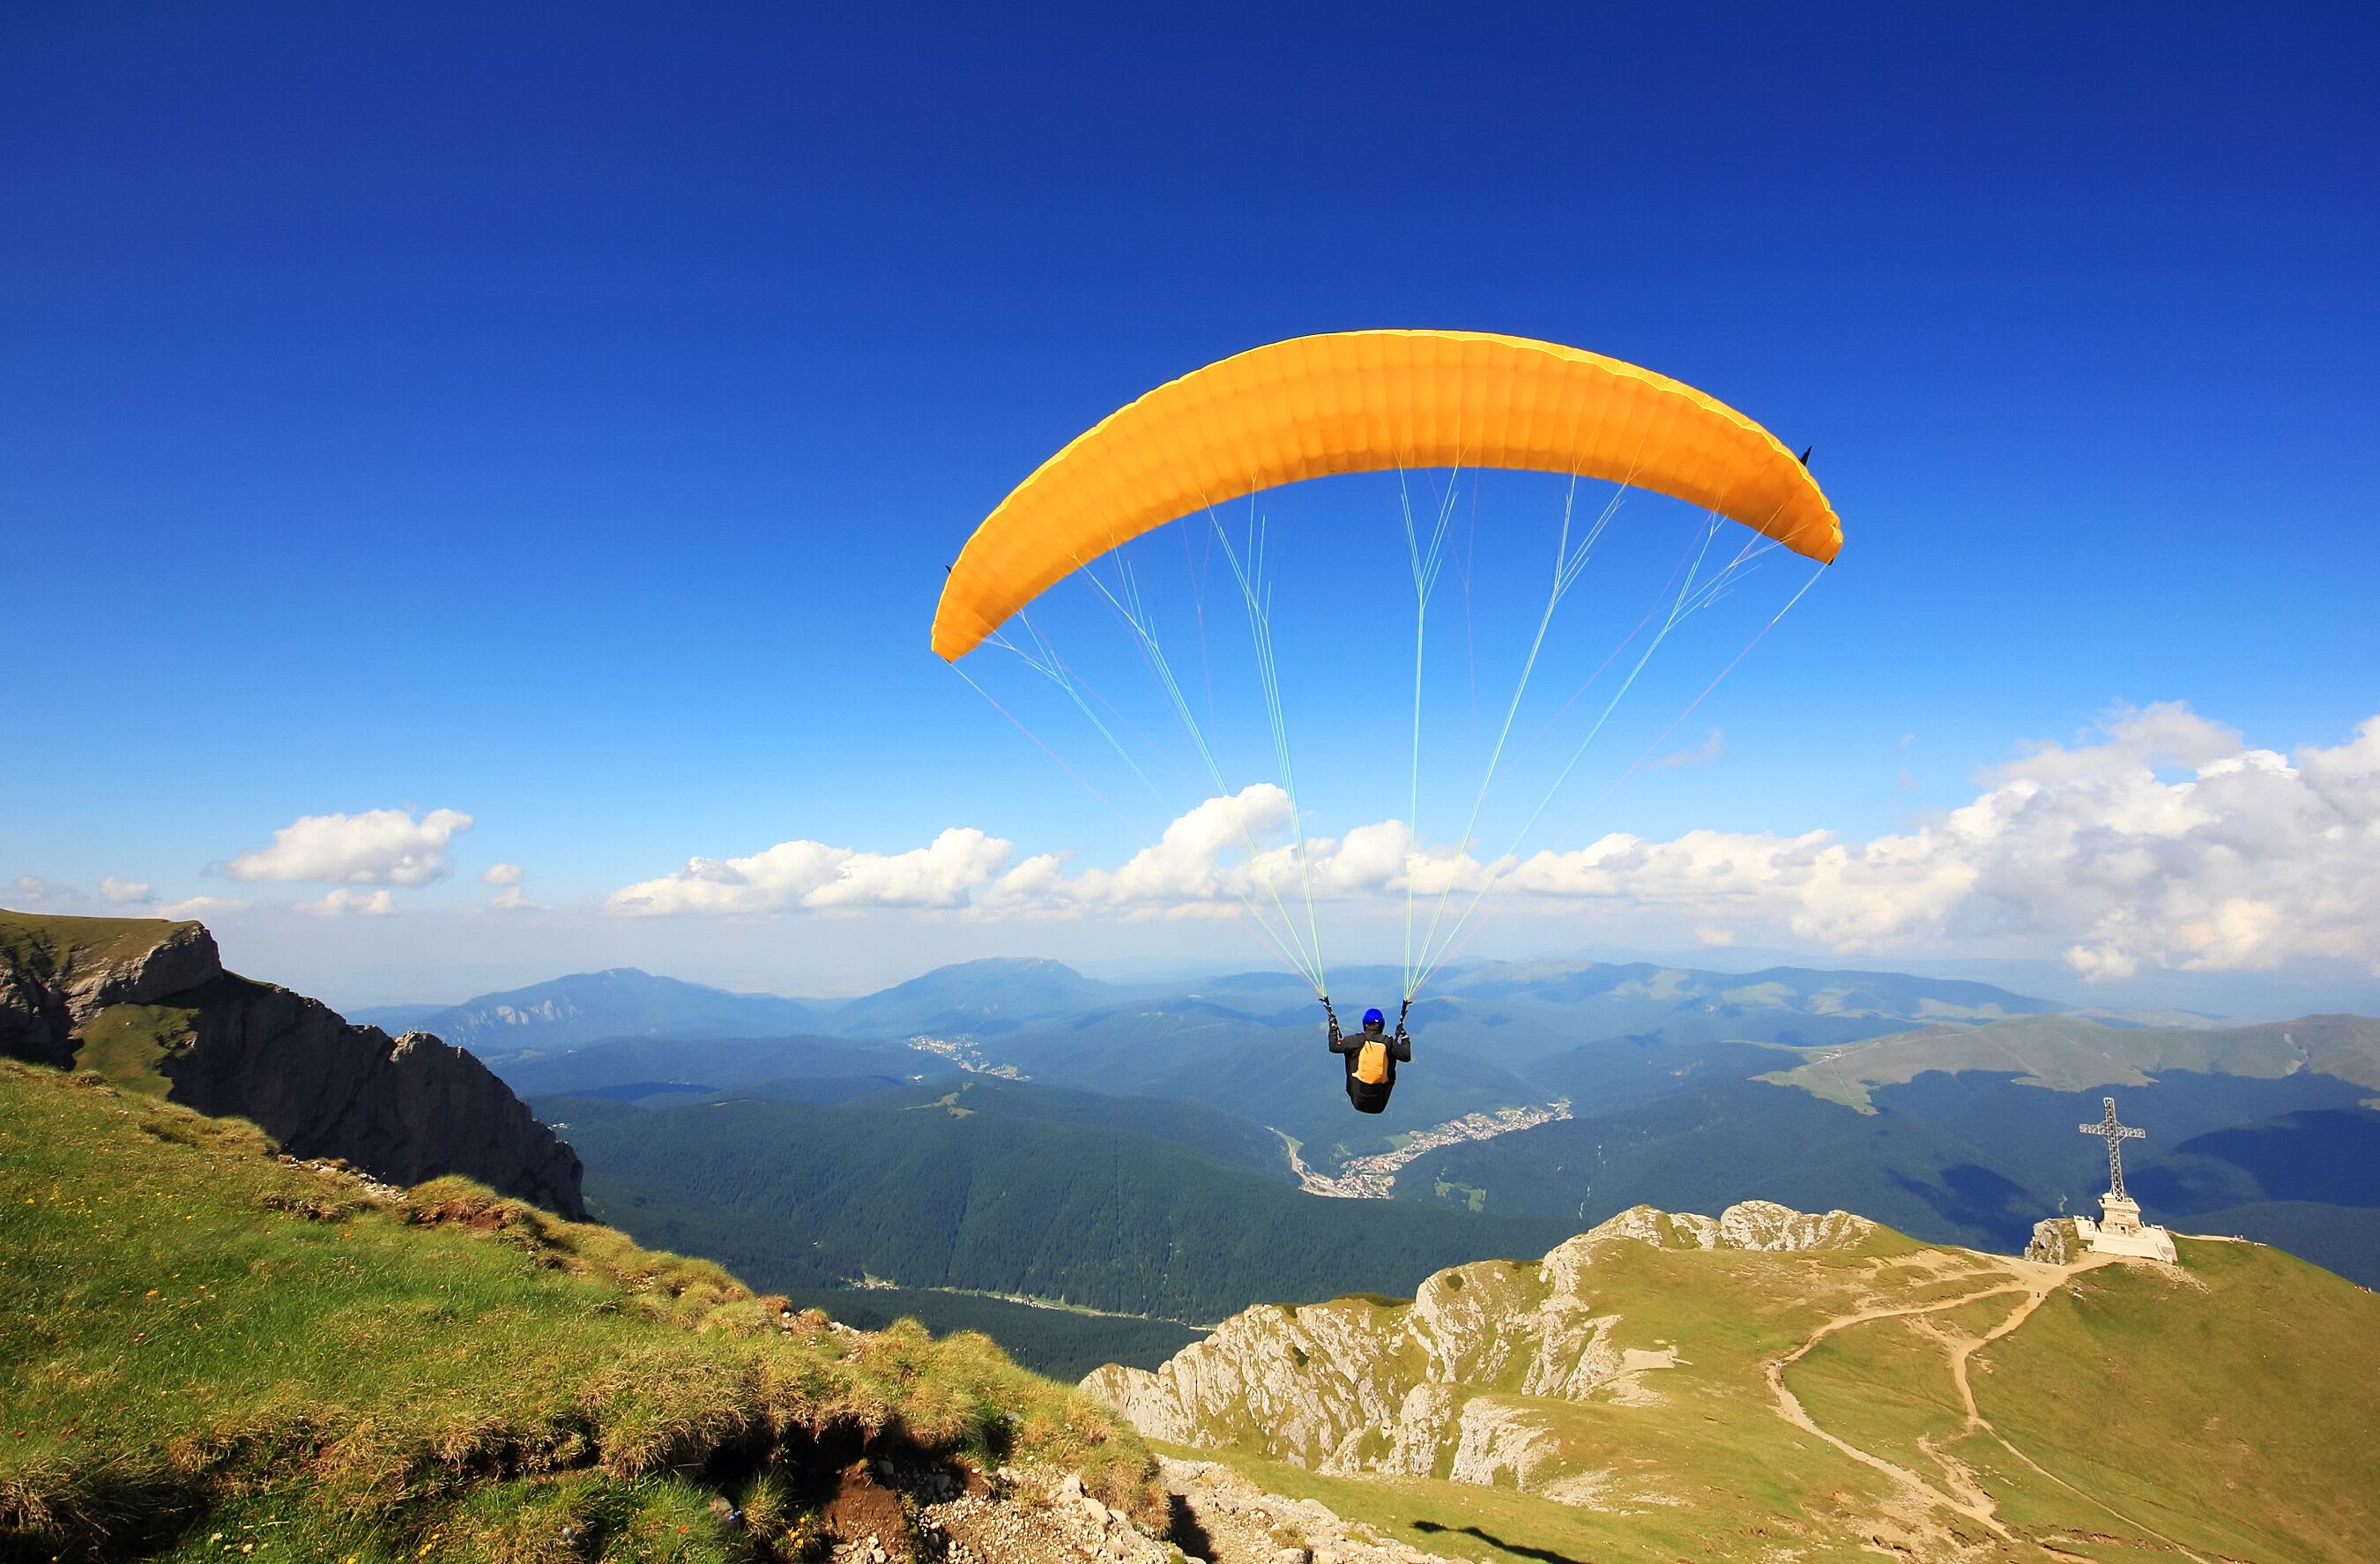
column 589, row 1007
column 1504, row 1012
column 1945, row 1107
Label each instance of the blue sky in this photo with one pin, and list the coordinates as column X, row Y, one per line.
column 559, row 416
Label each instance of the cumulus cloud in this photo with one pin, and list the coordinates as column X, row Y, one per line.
column 801, row 874
column 2158, row 838
column 377, row 847
column 503, row 874
column 126, row 893
column 2244, row 860
column 339, row 902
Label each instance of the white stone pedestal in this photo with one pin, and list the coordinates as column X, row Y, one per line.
column 2119, row 1231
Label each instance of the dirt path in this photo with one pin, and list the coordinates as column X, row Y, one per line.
column 1968, row 1496
column 1977, row 1508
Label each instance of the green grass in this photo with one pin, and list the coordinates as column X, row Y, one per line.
column 2235, row 1409
column 2229, row 1407
column 1886, row 1385
column 1493, row 1525
column 204, row 1338
column 125, row 1044
column 50, row 947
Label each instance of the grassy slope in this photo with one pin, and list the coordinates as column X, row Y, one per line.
column 2235, row 1409
column 2071, row 1054
column 124, row 1043
column 51, row 946
column 2230, row 1408
column 205, row 1340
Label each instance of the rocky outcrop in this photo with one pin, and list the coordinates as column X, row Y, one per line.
column 2055, row 1243
column 1359, row 1385
column 56, row 974
column 403, row 1110
column 1231, row 1521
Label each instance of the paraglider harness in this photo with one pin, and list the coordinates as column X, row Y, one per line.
column 1371, row 1057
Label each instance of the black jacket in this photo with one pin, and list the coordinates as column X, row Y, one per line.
column 1367, row 1096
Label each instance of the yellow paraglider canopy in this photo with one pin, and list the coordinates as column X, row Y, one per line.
column 1350, row 402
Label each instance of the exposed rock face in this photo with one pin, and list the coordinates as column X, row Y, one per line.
column 403, row 1110
column 1242, row 1524
column 34, row 1019
column 47, row 990
column 1353, row 1386
column 2054, row 1243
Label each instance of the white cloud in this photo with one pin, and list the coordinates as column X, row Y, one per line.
column 201, row 906
column 509, row 897
column 335, row 904
column 812, row 874
column 377, row 847
column 2160, row 838
column 31, row 891
column 126, row 893
column 1713, row 745
column 2249, row 860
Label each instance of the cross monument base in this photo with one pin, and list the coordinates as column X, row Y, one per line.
column 2119, row 1231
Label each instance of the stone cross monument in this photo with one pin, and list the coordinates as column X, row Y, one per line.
column 2120, row 1230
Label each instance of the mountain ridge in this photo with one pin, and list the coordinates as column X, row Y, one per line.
column 148, row 1004
column 588, row 1007
column 1777, row 1384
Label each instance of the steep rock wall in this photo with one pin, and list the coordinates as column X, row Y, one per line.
column 403, row 1110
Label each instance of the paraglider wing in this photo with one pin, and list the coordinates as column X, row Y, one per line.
column 1352, row 402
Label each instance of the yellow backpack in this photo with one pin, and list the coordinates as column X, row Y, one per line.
column 1372, row 1063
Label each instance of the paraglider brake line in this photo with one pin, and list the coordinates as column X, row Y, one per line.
column 1455, row 940
column 1426, row 563
column 1569, row 564
column 1045, row 748
column 1257, row 593
column 1690, row 599
column 1129, row 607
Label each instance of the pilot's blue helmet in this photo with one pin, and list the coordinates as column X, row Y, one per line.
column 1374, row 1018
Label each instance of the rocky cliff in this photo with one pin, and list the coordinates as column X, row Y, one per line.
column 1442, row 1385
column 1770, row 1386
column 149, row 1003
column 57, row 973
